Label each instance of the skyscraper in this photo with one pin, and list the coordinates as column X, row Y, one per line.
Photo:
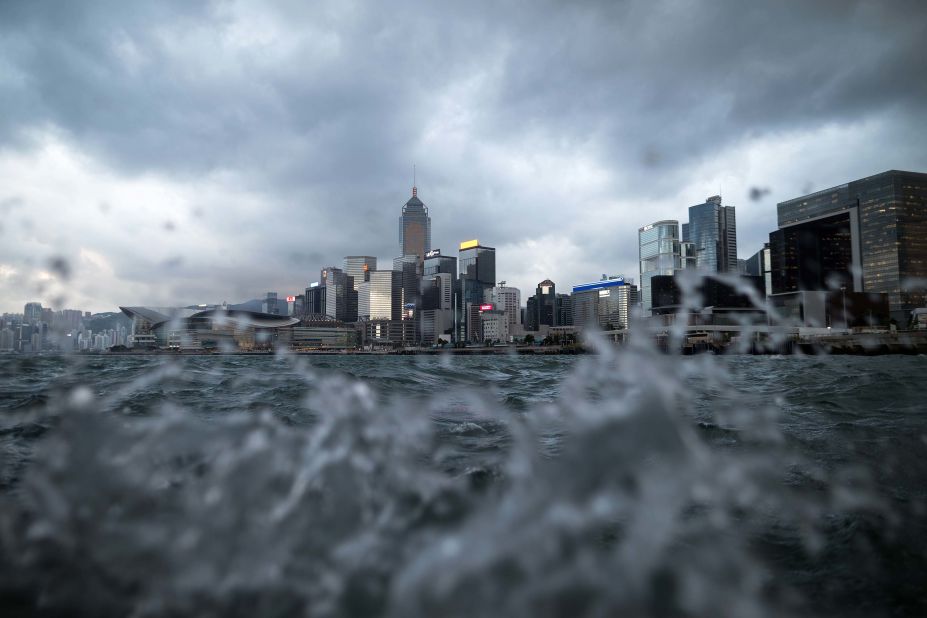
column 414, row 227
column 661, row 253
column 32, row 313
column 476, row 266
column 507, row 299
column 384, row 295
column 340, row 296
column 410, row 268
column 358, row 266
column 712, row 230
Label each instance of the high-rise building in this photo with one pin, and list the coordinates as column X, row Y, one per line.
column 315, row 299
column 712, row 230
column 32, row 313
column 340, row 295
column 437, row 291
column 507, row 299
column 758, row 265
column 661, row 253
column 358, row 267
column 436, row 316
column 414, row 227
column 563, row 310
column 476, row 267
column 868, row 235
column 605, row 304
column 410, row 267
column 436, row 263
column 383, row 295
column 545, row 303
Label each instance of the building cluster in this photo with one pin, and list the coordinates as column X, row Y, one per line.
column 426, row 297
column 42, row 329
column 850, row 256
column 853, row 255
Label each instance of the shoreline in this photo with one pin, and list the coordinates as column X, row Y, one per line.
column 864, row 344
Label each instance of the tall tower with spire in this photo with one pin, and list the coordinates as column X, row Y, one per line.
column 414, row 226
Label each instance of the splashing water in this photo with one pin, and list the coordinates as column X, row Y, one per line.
column 621, row 483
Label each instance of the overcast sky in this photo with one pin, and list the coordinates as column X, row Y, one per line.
column 186, row 152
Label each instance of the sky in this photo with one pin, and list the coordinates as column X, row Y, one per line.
column 178, row 152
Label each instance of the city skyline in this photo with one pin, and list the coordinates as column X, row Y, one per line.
column 135, row 168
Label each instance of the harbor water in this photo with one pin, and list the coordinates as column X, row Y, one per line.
column 620, row 483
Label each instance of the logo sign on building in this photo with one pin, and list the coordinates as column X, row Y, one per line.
column 291, row 299
column 432, row 253
column 469, row 244
column 486, row 307
column 605, row 293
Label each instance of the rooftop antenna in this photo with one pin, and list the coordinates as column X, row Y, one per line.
column 414, row 188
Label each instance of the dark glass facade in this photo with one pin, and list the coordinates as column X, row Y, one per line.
column 712, row 230
column 438, row 263
column 477, row 273
column 886, row 217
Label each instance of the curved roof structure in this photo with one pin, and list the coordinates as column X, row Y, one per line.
column 249, row 318
column 253, row 318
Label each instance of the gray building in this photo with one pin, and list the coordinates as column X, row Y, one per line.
column 868, row 235
column 476, row 267
column 606, row 304
column 383, row 295
column 358, row 267
column 32, row 313
column 340, row 297
column 712, row 231
column 410, row 269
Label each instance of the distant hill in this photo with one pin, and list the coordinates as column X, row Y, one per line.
column 108, row 320
column 257, row 304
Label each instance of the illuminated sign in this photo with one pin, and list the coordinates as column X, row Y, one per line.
column 605, row 293
column 486, row 307
column 647, row 227
column 433, row 253
column 291, row 299
column 469, row 244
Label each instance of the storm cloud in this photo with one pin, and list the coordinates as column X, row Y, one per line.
column 179, row 152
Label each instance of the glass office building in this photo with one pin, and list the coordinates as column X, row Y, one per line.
column 436, row 263
column 712, row 231
column 605, row 304
column 410, row 268
column 868, row 235
column 358, row 266
column 383, row 295
column 476, row 267
column 660, row 253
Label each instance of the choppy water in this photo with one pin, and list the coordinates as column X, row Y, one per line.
column 615, row 484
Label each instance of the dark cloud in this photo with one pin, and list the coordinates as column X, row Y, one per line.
column 316, row 112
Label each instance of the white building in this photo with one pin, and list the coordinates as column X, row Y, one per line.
column 506, row 299
column 494, row 325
